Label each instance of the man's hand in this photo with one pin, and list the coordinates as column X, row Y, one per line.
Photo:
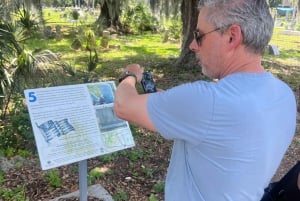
column 129, row 105
column 137, row 70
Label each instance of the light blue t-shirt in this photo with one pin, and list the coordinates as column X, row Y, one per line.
column 229, row 137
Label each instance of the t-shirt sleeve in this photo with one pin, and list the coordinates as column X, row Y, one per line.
column 183, row 112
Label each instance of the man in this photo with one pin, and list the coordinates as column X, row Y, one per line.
column 229, row 136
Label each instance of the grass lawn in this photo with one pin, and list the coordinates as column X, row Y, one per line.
column 288, row 45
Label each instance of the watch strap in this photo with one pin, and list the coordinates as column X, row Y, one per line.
column 127, row 74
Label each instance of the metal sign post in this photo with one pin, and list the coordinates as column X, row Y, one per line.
column 83, row 180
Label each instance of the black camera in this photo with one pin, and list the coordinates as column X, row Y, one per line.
column 148, row 82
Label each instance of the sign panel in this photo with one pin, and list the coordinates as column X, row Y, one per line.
column 76, row 122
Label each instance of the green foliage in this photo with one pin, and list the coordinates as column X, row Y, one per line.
column 22, row 127
column 8, row 152
column 90, row 39
column 11, row 151
column 1, row 177
column 15, row 194
column 134, row 155
column 59, row 3
column 175, row 28
column 159, row 187
column 53, row 178
column 25, row 63
column 148, row 172
column 17, row 135
column 62, row 16
column 93, row 61
column 9, row 142
column 5, row 81
column 137, row 18
column 91, row 47
column 76, row 44
column 107, row 158
column 152, row 198
column 24, row 153
column 17, row 63
column 120, row 195
column 97, row 173
column 26, row 20
column 75, row 14
column 9, row 47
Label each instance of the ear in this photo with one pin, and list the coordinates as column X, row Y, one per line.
column 235, row 35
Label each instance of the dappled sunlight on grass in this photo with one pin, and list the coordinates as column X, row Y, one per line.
column 147, row 44
column 288, row 46
column 63, row 17
column 146, row 48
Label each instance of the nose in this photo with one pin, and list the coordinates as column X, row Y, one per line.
column 194, row 46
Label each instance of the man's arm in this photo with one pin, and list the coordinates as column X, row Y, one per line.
column 129, row 105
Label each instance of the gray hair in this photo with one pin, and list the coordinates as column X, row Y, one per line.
column 253, row 16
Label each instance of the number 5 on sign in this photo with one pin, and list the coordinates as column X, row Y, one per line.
column 32, row 97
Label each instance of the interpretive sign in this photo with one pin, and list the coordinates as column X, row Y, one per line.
column 76, row 122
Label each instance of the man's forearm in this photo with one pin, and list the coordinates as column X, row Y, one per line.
column 129, row 104
column 124, row 97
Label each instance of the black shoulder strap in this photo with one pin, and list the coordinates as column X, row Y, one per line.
column 286, row 189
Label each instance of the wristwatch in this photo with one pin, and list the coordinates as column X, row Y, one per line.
column 126, row 74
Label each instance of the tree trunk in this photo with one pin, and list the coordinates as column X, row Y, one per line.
column 298, row 10
column 5, row 10
column 104, row 17
column 39, row 7
column 110, row 13
column 167, row 9
column 189, row 17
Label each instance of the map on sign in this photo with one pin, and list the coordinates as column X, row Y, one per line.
column 76, row 122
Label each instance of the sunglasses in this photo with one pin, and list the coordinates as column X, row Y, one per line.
column 199, row 37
